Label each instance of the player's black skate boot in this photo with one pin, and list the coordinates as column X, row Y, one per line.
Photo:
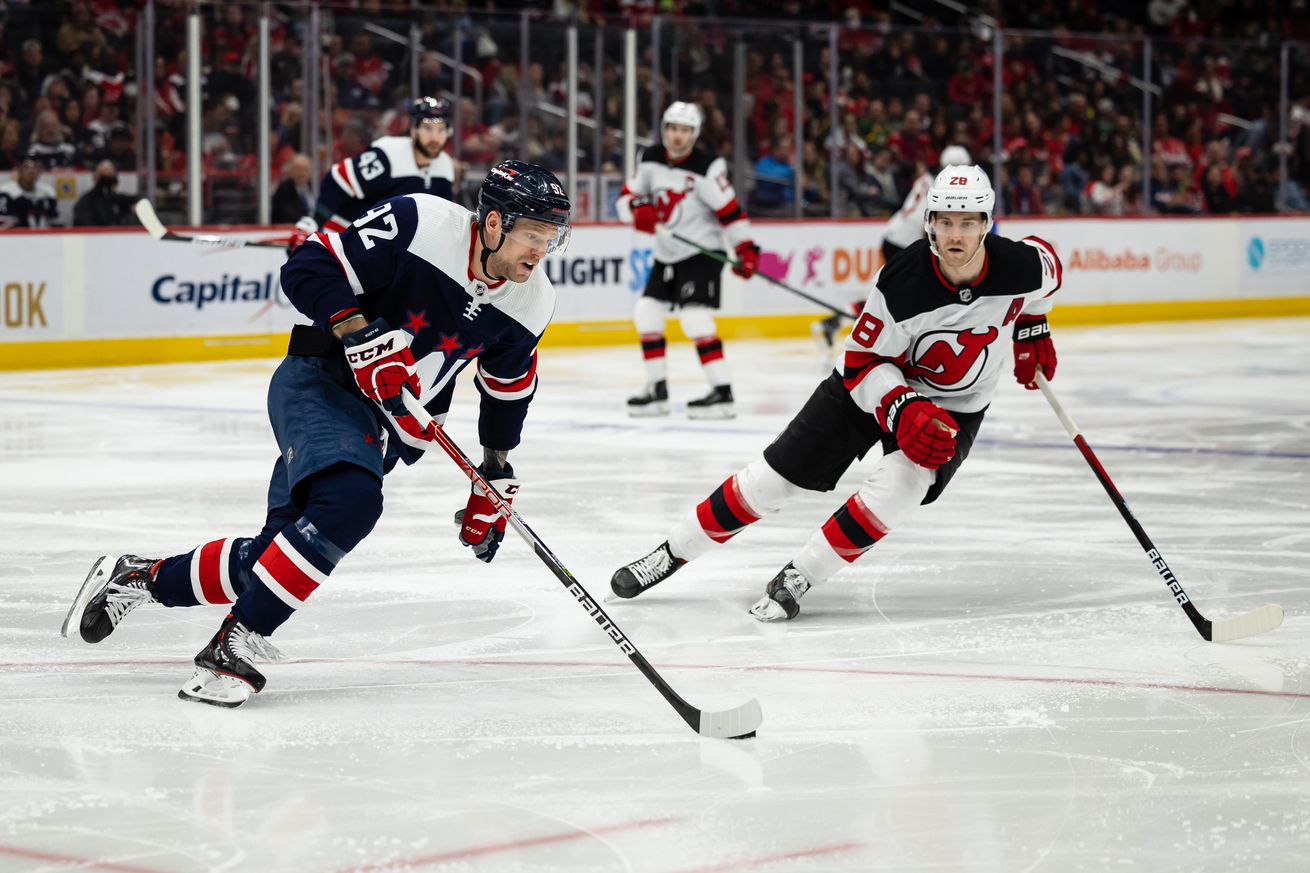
column 111, row 590
column 631, row 580
column 654, row 402
column 716, row 404
column 225, row 669
column 781, row 600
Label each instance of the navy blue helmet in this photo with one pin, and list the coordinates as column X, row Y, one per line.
column 517, row 189
column 429, row 108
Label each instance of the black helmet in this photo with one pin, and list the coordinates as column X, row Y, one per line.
column 426, row 108
column 517, row 189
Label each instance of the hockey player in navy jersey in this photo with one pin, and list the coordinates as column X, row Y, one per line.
column 686, row 189
column 921, row 365
column 389, row 167
column 417, row 289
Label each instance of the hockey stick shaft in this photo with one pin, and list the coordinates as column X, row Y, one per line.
column 731, row 263
column 145, row 213
column 731, row 724
column 1261, row 620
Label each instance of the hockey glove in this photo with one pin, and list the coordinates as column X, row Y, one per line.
column 1032, row 349
column 384, row 366
column 924, row 431
column 643, row 217
column 748, row 259
column 480, row 524
column 304, row 229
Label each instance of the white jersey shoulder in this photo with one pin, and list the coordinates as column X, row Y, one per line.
column 444, row 238
column 906, row 226
column 399, row 151
column 442, row 167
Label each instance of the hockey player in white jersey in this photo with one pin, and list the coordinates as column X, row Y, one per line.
column 685, row 189
column 921, row 366
column 390, row 167
column 26, row 201
column 416, row 290
column 906, row 225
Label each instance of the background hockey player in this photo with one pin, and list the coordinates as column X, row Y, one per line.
column 921, row 365
column 686, row 189
column 390, row 167
column 906, row 226
column 26, row 201
column 416, row 289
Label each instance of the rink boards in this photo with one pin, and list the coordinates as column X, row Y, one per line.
column 79, row 298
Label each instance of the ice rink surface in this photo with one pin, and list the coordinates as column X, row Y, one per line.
column 1004, row 685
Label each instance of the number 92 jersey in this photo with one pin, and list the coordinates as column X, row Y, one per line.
column 948, row 343
column 409, row 260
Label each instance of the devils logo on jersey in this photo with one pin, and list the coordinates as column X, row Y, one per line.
column 667, row 201
column 951, row 361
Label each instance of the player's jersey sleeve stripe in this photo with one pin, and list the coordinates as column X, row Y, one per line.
column 343, row 173
column 857, row 365
column 514, row 388
column 333, row 243
column 730, row 213
column 1048, row 250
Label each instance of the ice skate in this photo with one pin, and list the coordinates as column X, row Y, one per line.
column 825, row 331
column 652, row 403
column 716, row 404
column 111, row 590
column 225, row 669
column 631, row 580
column 781, row 600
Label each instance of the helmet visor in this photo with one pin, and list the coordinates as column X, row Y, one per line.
column 537, row 235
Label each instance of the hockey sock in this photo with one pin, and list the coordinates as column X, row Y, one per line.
column 893, row 490
column 648, row 316
column 710, row 351
column 652, row 350
column 743, row 499
column 209, row 574
column 342, row 504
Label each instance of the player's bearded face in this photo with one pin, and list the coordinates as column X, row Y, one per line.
column 527, row 243
column 677, row 139
column 959, row 235
column 430, row 137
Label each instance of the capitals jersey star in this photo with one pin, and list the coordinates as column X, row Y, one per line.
column 386, row 169
column 947, row 343
column 409, row 261
column 692, row 197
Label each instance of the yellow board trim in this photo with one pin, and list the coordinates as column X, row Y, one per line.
column 52, row 354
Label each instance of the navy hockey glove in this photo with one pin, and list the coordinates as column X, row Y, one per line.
column 1032, row 349
column 384, row 366
column 480, row 524
column 924, row 431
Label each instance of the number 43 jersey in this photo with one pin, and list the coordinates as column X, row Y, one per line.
column 409, row 260
column 948, row 343
column 386, row 169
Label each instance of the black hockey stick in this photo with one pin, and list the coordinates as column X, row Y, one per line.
column 145, row 213
column 737, row 723
column 1257, row 621
column 660, row 228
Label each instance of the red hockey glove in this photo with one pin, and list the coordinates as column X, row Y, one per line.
column 384, row 366
column 924, row 431
column 643, row 217
column 304, row 229
column 1032, row 349
column 748, row 259
column 480, row 524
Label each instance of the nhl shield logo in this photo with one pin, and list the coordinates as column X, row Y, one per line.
column 966, row 294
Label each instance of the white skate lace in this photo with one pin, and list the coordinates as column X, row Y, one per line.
column 121, row 599
column 248, row 645
column 795, row 583
column 653, row 567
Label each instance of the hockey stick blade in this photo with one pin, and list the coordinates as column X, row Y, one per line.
column 145, row 213
column 1257, row 621
column 738, row 723
column 149, row 219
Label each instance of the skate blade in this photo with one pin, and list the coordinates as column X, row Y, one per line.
column 721, row 410
column 94, row 581
column 216, row 689
column 652, row 410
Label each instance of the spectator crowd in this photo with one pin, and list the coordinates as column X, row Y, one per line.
column 1072, row 80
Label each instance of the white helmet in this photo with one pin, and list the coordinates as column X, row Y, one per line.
column 959, row 188
column 687, row 114
column 955, row 155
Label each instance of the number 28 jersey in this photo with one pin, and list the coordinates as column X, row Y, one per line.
column 947, row 343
